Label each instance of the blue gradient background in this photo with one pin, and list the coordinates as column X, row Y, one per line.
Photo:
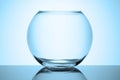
column 104, row 16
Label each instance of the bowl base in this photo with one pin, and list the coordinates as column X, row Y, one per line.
column 59, row 63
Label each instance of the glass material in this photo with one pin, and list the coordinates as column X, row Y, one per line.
column 30, row 73
column 59, row 38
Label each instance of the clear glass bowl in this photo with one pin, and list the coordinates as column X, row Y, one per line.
column 59, row 38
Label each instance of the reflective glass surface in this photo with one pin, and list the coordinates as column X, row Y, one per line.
column 42, row 73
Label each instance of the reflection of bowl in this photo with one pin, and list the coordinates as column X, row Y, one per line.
column 54, row 74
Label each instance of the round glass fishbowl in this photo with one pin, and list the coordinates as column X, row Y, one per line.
column 59, row 38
